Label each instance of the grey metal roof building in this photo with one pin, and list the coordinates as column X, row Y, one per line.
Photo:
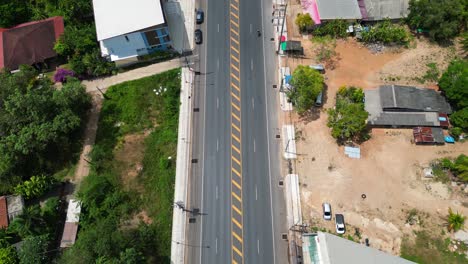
column 404, row 106
column 338, row 9
column 324, row 248
column 382, row 9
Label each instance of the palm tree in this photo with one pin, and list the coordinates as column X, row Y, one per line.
column 29, row 223
column 455, row 220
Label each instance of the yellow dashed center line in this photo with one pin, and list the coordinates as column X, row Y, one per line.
column 236, row 184
column 235, row 7
column 236, row 172
column 234, row 57
column 236, row 117
column 236, row 223
column 236, row 138
column 235, row 106
column 238, row 238
column 235, row 127
column 237, row 210
column 236, row 160
column 236, row 196
column 236, row 149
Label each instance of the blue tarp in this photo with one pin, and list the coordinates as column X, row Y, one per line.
column 287, row 78
column 449, row 139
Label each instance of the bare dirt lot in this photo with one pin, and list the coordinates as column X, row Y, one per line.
column 389, row 171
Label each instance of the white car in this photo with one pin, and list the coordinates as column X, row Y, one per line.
column 327, row 213
column 340, row 225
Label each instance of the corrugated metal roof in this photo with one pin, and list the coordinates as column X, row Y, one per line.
column 69, row 235
column 3, row 212
column 411, row 98
column 336, row 9
column 115, row 18
column 382, row 9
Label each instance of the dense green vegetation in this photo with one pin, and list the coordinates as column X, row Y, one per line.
column 78, row 44
column 106, row 234
column 443, row 19
column 386, row 33
column 307, row 84
column 334, row 28
column 304, row 21
column 458, row 166
column 455, row 221
column 40, row 126
column 428, row 249
column 453, row 83
column 348, row 119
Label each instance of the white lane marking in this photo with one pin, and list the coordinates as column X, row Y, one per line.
column 256, row 193
column 251, row 64
column 250, row 28
column 218, row 27
column 253, row 103
column 217, row 145
column 217, row 192
column 217, row 63
column 217, row 102
column 258, row 246
column 216, row 246
column 254, row 145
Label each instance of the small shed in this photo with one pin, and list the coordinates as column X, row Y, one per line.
column 428, row 136
column 70, row 229
column 292, row 47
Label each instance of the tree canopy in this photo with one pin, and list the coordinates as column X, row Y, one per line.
column 39, row 125
column 444, row 19
column 304, row 21
column 348, row 119
column 454, row 83
column 307, row 84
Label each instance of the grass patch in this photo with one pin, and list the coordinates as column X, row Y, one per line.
column 108, row 230
column 430, row 249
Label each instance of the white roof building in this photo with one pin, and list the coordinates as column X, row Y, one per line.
column 119, row 17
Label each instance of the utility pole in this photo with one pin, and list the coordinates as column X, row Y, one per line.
column 282, row 27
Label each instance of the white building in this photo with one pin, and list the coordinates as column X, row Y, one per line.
column 128, row 29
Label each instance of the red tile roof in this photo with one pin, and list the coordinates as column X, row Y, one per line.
column 3, row 212
column 30, row 42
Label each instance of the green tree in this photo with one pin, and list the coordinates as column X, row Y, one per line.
column 304, row 21
column 39, row 125
column 13, row 12
column 307, row 84
column 29, row 223
column 348, row 119
column 8, row 255
column 444, row 19
column 33, row 250
column 464, row 42
column 454, row 82
column 460, row 119
column 456, row 221
column 460, row 167
column 131, row 256
column 34, row 187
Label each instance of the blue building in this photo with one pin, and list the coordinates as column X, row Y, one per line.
column 129, row 29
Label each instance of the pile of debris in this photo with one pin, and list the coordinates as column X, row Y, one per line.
column 375, row 47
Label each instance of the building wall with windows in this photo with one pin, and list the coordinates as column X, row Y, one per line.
column 129, row 46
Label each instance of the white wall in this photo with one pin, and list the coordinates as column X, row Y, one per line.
column 119, row 48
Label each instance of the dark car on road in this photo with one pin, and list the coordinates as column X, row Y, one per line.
column 200, row 17
column 198, row 36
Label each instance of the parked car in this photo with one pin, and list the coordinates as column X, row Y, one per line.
column 198, row 36
column 318, row 100
column 200, row 16
column 340, row 224
column 318, row 67
column 327, row 213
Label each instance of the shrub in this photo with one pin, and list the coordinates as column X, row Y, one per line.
column 456, row 132
column 460, row 119
column 304, row 21
column 34, row 187
column 335, row 28
column 61, row 75
column 387, row 33
column 455, row 221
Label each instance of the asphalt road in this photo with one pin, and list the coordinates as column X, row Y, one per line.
column 234, row 181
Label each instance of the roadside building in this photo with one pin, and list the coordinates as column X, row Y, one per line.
column 10, row 207
column 405, row 106
column 324, row 248
column 29, row 43
column 129, row 29
column 70, row 229
column 374, row 10
column 338, row 9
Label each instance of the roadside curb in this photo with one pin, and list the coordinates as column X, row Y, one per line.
column 182, row 169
